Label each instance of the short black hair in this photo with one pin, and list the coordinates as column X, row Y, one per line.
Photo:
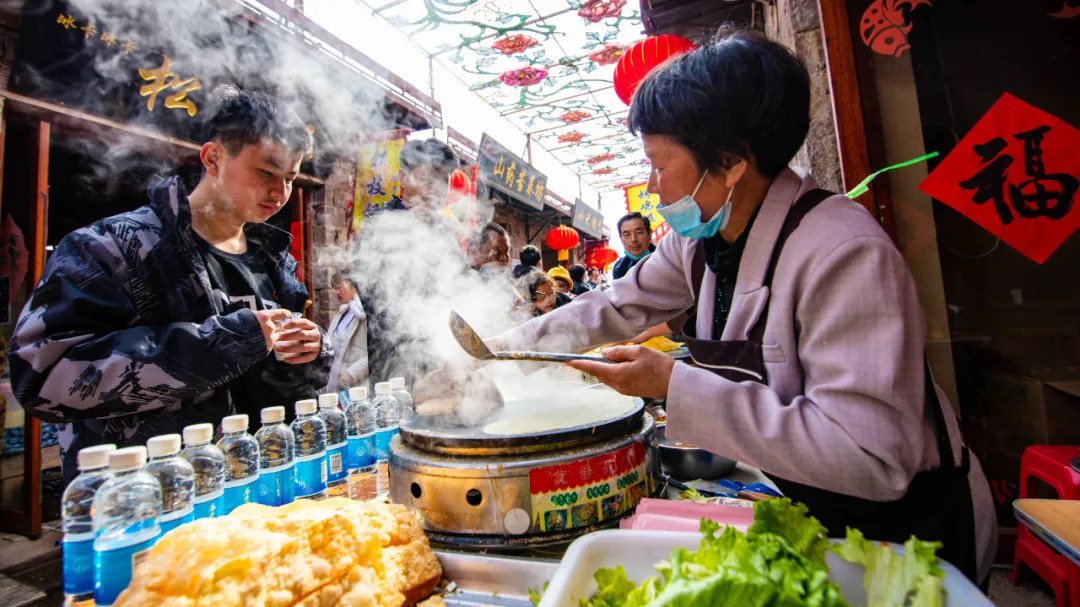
column 577, row 272
column 429, row 152
column 629, row 216
column 742, row 95
column 482, row 234
column 243, row 118
column 342, row 277
column 530, row 255
column 591, row 270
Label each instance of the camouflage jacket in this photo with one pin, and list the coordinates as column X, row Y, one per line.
column 121, row 340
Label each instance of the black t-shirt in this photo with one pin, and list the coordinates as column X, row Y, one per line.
column 244, row 280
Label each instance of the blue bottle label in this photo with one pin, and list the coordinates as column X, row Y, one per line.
column 176, row 518
column 382, row 442
column 79, row 563
column 239, row 492
column 210, row 505
column 114, row 561
column 311, row 474
column 361, row 450
column 336, row 456
column 276, row 485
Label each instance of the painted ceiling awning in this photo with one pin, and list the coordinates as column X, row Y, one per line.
column 546, row 65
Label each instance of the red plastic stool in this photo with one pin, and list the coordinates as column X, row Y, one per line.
column 1050, row 464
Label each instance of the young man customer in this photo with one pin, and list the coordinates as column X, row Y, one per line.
column 165, row 316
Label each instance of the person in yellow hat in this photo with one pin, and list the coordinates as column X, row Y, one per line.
column 563, row 284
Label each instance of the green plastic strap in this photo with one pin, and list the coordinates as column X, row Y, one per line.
column 864, row 187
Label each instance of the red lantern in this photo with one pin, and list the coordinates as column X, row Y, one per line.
column 640, row 59
column 604, row 256
column 562, row 239
column 459, row 182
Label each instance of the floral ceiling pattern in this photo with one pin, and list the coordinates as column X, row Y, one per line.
column 545, row 65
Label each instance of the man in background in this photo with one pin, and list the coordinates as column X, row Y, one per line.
column 425, row 175
column 577, row 275
column 530, row 260
column 635, row 232
column 153, row 320
column 489, row 249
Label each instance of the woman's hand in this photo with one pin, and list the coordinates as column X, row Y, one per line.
column 633, row 370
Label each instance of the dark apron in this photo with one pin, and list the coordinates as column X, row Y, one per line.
column 937, row 505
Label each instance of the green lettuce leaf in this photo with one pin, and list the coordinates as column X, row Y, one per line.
column 614, row 589
column 912, row 579
column 693, row 495
column 793, row 523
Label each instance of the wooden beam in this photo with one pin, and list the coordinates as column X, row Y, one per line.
column 107, row 129
column 846, row 99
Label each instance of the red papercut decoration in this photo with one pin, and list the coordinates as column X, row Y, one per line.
column 574, row 116
column 601, row 158
column 571, row 137
column 608, row 55
column 526, row 76
column 598, row 10
column 1016, row 173
column 885, row 27
column 603, row 171
column 640, row 59
column 1068, row 10
column 512, row 45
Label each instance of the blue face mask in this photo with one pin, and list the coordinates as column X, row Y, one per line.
column 637, row 257
column 684, row 216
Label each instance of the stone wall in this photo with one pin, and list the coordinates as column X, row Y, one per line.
column 329, row 232
column 797, row 25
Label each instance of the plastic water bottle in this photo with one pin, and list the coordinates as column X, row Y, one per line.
column 337, row 444
column 79, row 528
column 277, row 476
column 387, row 415
column 209, row 464
column 177, row 479
column 398, row 391
column 241, row 462
column 310, row 455
column 360, row 419
column 126, row 512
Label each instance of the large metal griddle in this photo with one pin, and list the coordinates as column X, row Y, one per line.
column 443, row 435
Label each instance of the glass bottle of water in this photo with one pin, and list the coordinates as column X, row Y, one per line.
column 398, row 390
column 177, row 479
column 310, row 454
column 126, row 511
column 337, row 443
column 78, row 547
column 209, row 464
column 360, row 419
column 387, row 415
column 241, row 462
column 277, row 476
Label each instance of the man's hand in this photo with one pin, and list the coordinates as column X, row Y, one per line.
column 269, row 322
column 633, row 370
column 302, row 337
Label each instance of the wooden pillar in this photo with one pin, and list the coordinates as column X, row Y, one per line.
column 847, row 102
column 27, row 519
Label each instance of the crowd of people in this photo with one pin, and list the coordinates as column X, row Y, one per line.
column 801, row 317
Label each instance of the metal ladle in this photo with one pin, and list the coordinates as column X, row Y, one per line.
column 471, row 343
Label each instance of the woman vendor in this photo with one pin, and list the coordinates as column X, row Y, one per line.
column 804, row 325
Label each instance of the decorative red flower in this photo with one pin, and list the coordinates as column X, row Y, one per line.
column 571, row 137
column 600, row 158
column 526, row 76
column 574, row 116
column 598, row 10
column 603, row 171
column 622, row 121
column 512, row 45
column 609, row 55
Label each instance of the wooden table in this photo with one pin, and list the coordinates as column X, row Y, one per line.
column 1057, row 522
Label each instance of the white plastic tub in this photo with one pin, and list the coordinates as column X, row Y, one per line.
column 638, row 551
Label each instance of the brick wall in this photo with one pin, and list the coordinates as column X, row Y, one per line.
column 329, row 231
column 797, row 25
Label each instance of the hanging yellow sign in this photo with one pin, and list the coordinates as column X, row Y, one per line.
column 638, row 200
column 378, row 178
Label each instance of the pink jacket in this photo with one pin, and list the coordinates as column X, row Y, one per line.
column 843, row 348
